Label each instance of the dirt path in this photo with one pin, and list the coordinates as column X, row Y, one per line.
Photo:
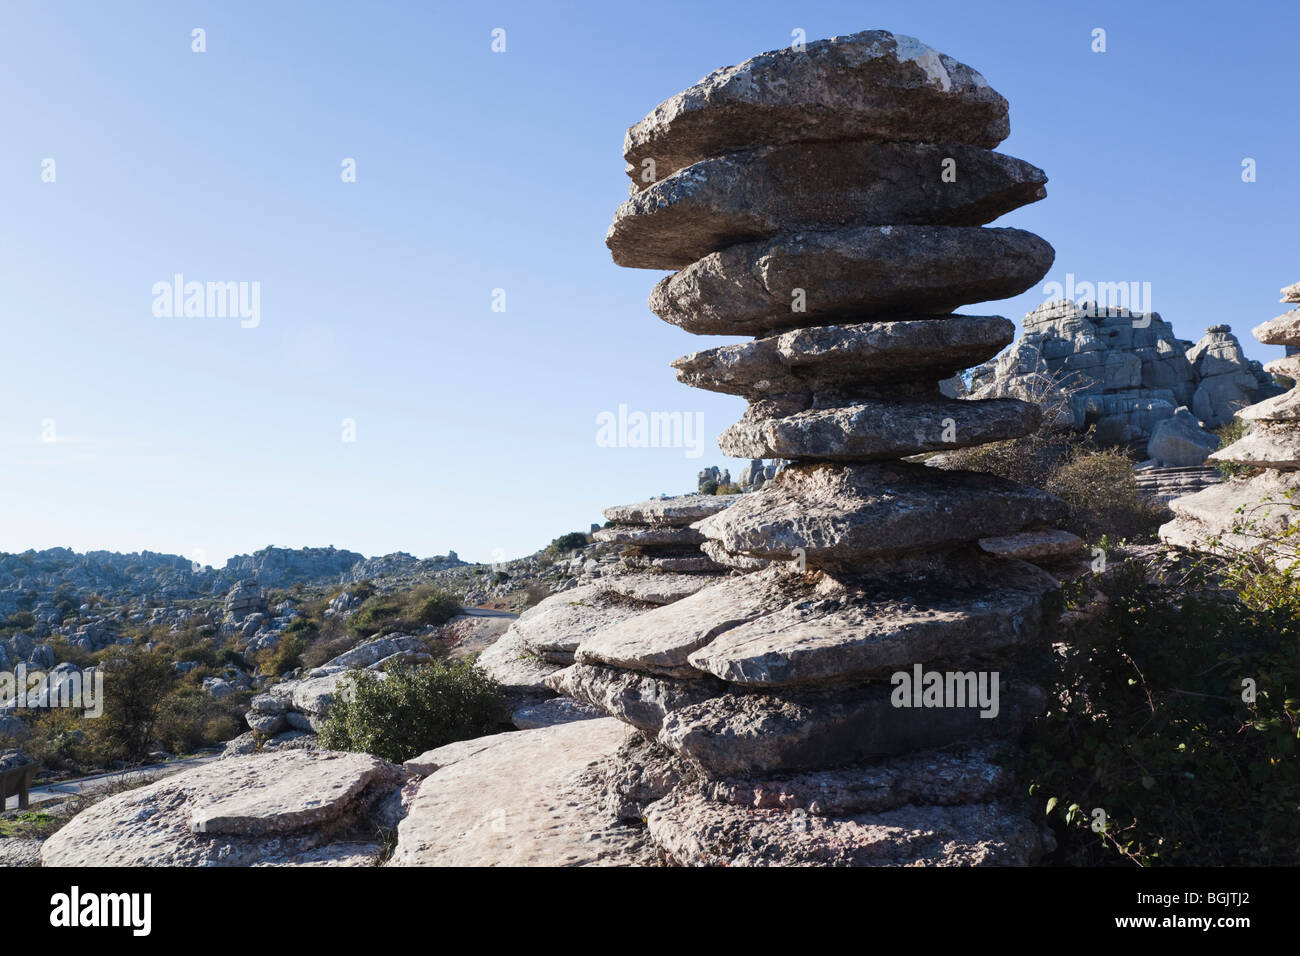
column 71, row 788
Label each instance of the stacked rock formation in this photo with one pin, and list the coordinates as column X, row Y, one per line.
column 1245, row 513
column 830, row 201
column 656, row 534
column 664, row 564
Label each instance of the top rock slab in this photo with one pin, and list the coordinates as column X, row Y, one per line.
column 673, row 512
column 868, row 85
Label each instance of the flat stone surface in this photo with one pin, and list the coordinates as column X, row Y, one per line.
column 840, row 514
column 1279, row 408
column 1287, row 366
column 694, row 831
column 234, row 812
column 557, row 710
column 871, row 353
column 513, row 664
column 1283, row 330
column 1221, row 512
column 836, row 634
column 558, row 624
column 678, row 511
column 1267, row 444
column 337, row 854
column 657, row 589
column 751, row 288
column 529, row 799
column 812, row 728
column 873, row 430
column 867, row 85
column 296, row 789
column 18, row 852
column 758, row 193
column 448, row 754
column 659, row 641
column 638, row 536
column 1033, row 545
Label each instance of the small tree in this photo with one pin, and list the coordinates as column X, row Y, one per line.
column 136, row 683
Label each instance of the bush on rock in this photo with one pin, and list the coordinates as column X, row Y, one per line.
column 413, row 709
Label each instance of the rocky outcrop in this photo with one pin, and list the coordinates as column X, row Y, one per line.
column 303, row 701
column 1125, row 373
column 749, row 477
column 1250, row 513
column 663, row 564
column 1180, row 442
column 871, row 86
column 286, row 809
column 531, row 798
column 865, row 571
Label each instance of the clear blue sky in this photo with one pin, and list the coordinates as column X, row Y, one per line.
column 476, row 429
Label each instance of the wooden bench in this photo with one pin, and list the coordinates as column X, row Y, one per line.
column 16, row 782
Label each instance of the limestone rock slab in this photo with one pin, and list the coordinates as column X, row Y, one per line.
column 758, row 193
column 746, row 733
column 677, row 511
column 234, row 812
column 752, row 288
column 881, row 429
column 649, row 536
column 657, row 589
column 873, row 353
column 529, row 799
column 557, row 625
column 1033, row 545
column 660, row 640
column 841, row 514
column 852, row 634
column 866, row 85
column 694, row 831
column 1268, row 444
column 1283, row 330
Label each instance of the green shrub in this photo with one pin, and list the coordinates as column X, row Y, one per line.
column 435, row 606
column 1147, row 722
column 1228, row 433
column 1097, row 485
column 708, row 487
column 1031, row 460
column 406, row 610
column 20, row 620
column 1102, row 494
column 286, row 655
column 58, row 739
column 413, row 710
column 565, row 543
column 191, row 719
column 136, row 683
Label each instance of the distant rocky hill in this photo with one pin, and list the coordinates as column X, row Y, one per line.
column 57, row 576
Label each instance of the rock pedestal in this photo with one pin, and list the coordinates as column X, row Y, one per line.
column 831, row 202
column 1244, row 513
